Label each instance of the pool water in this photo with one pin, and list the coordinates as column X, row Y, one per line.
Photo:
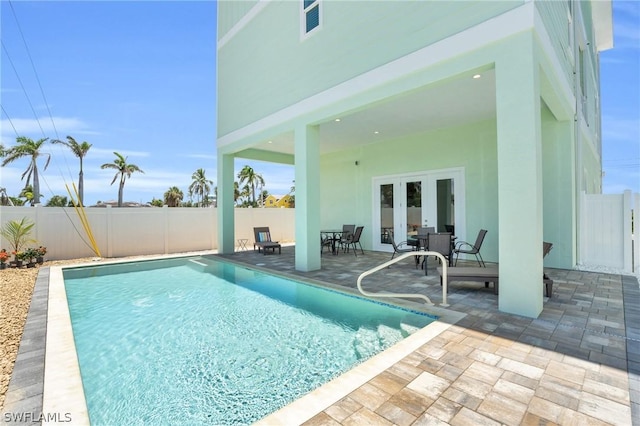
column 198, row 341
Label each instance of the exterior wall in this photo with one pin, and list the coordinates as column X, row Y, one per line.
column 569, row 25
column 137, row 231
column 230, row 13
column 363, row 35
column 555, row 17
column 472, row 147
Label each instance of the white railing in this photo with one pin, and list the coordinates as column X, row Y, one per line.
column 443, row 261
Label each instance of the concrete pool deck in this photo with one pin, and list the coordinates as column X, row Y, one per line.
column 578, row 363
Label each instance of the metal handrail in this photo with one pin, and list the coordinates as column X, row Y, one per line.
column 408, row 295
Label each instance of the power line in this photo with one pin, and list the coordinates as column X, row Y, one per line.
column 10, row 122
column 23, row 89
column 24, row 41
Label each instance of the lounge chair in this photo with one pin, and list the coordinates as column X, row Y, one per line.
column 491, row 274
column 263, row 241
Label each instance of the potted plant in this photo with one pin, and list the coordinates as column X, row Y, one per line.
column 30, row 255
column 40, row 256
column 19, row 258
column 4, row 256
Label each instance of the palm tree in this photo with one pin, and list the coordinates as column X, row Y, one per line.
column 79, row 150
column 201, row 186
column 27, row 194
column 28, row 148
column 124, row 171
column 57, row 201
column 173, row 197
column 252, row 179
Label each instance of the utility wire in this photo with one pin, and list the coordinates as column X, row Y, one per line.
column 24, row 41
column 10, row 122
column 23, row 89
column 36, row 115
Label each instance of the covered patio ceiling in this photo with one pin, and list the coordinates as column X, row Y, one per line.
column 464, row 99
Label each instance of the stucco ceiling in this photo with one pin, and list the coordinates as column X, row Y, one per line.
column 446, row 104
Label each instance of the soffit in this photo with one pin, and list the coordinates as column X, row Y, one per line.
column 455, row 102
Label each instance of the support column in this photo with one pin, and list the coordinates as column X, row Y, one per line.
column 226, row 205
column 519, row 151
column 307, row 174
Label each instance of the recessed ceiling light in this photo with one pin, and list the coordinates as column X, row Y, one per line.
column 477, row 76
column 337, row 119
column 376, row 132
column 270, row 142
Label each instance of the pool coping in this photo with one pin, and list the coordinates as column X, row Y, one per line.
column 59, row 395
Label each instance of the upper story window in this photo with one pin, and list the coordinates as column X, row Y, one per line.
column 310, row 15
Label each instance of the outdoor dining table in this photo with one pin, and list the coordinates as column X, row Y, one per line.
column 335, row 235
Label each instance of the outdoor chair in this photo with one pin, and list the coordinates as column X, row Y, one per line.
column 439, row 243
column 354, row 241
column 467, row 248
column 420, row 240
column 548, row 282
column 347, row 235
column 399, row 249
column 263, row 241
column 326, row 240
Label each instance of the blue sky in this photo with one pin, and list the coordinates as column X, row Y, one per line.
column 133, row 77
column 620, row 101
column 139, row 78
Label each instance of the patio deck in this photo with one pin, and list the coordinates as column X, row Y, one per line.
column 578, row 363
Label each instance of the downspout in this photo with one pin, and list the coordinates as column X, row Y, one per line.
column 578, row 192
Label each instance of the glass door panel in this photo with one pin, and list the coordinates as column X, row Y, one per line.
column 386, row 212
column 413, row 211
column 445, row 206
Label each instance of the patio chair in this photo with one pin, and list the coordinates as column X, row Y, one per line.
column 399, row 249
column 263, row 241
column 440, row 243
column 354, row 241
column 548, row 282
column 346, row 236
column 326, row 240
column 467, row 248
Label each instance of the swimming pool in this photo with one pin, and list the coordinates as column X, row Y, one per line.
column 195, row 340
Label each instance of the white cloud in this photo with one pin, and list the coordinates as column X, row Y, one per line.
column 34, row 128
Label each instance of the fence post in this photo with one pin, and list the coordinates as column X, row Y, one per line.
column 165, row 211
column 627, row 209
column 109, row 223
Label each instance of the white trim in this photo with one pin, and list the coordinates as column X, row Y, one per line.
column 243, row 22
column 429, row 179
column 304, row 34
column 486, row 33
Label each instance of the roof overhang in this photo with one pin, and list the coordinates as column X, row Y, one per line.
column 602, row 11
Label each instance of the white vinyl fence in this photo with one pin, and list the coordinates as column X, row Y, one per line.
column 607, row 232
column 141, row 231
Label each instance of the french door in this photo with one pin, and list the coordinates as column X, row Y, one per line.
column 404, row 203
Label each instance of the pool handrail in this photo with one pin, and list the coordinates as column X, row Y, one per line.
column 443, row 261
